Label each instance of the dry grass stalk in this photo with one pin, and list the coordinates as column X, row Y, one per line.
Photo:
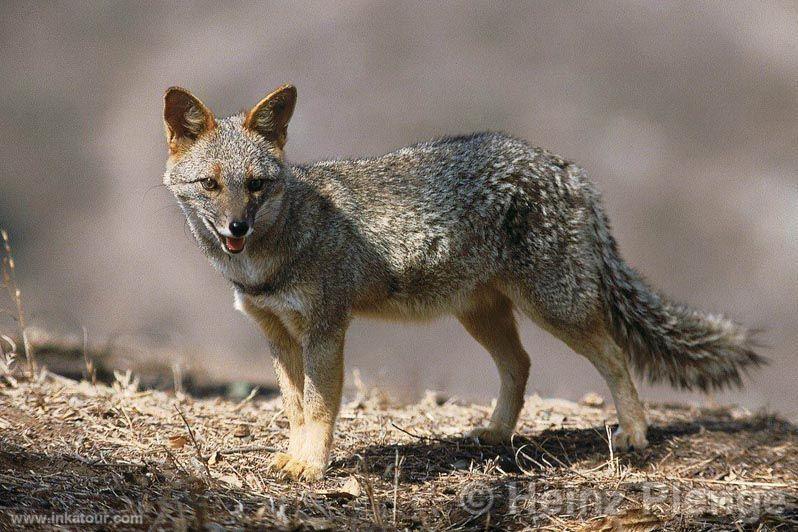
column 397, row 470
column 91, row 372
column 15, row 295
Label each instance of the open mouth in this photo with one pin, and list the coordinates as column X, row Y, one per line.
column 233, row 244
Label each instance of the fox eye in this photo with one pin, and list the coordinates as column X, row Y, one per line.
column 209, row 184
column 255, row 185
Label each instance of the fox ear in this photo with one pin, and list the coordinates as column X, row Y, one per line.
column 270, row 117
column 185, row 117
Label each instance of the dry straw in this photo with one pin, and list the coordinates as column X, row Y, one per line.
column 75, row 447
column 15, row 296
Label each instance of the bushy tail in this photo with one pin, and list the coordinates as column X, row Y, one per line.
column 665, row 340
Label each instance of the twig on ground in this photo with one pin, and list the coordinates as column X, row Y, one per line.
column 196, row 444
column 431, row 438
column 562, row 464
column 612, row 463
column 247, row 399
column 249, row 449
column 746, row 483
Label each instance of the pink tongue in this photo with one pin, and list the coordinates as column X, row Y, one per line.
column 234, row 244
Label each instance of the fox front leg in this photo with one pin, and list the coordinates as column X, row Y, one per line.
column 288, row 366
column 323, row 357
column 287, row 361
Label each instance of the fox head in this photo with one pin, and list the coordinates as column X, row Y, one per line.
column 228, row 175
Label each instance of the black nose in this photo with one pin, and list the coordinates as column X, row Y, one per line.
column 239, row 228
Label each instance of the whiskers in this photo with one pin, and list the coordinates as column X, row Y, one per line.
column 162, row 208
column 147, row 199
column 151, row 188
column 188, row 234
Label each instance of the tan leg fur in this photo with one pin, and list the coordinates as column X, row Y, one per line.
column 489, row 319
column 310, row 382
column 611, row 363
column 324, row 374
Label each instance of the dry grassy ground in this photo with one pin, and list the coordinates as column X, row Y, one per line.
column 151, row 460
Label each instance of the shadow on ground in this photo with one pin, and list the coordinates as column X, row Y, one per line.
column 561, row 448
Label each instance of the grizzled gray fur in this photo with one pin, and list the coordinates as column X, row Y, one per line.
column 472, row 226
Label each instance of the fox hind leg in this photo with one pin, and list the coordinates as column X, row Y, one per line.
column 610, row 361
column 489, row 319
column 574, row 317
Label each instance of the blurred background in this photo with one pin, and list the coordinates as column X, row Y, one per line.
column 685, row 114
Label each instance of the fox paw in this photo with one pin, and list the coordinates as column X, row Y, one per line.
column 634, row 439
column 489, row 436
column 287, row 466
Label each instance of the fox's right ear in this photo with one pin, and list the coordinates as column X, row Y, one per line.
column 185, row 118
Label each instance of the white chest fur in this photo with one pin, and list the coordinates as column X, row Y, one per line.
column 243, row 269
column 287, row 305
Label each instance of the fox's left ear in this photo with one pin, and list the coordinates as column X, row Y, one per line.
column 185, row 118
column 270, row 117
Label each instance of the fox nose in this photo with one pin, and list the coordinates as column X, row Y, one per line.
column 239, row 228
